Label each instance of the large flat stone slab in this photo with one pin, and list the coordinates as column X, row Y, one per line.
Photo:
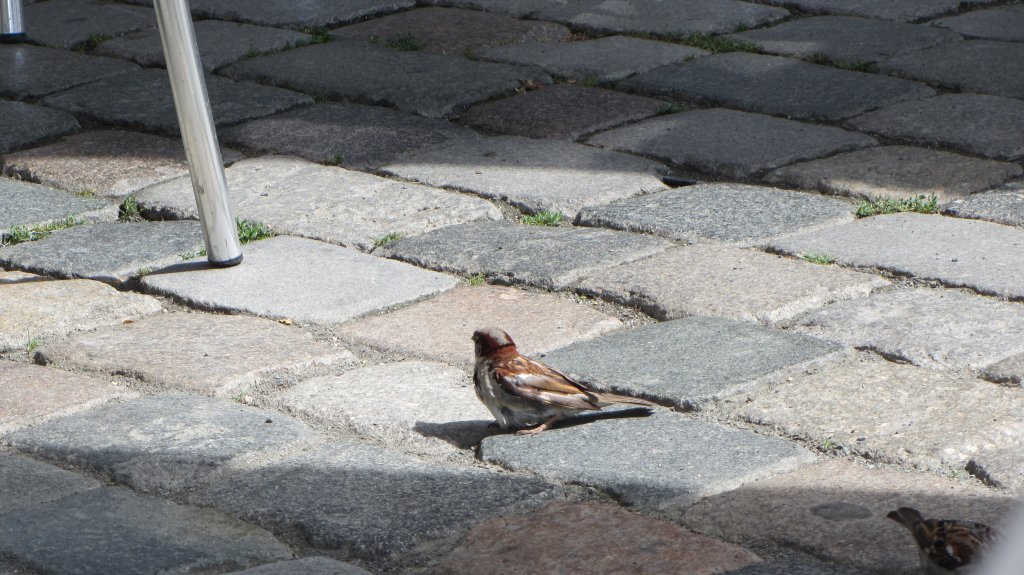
column 908, row 10
column 836, row 510
column 729, row 142
column 688, row 362
column 67, row 23
column 326, row 203
column 655, row 17
column 897, row 171
column 971, row 66
column 960, row 253
column 113, row 530
column 727, row 282
column 286, row 277
column 65, row 69
column 432, row 85
column 683, row 459
column 22, row 125
column 629, row 544
column 211, row 354
column 143, row 99
column 978, row 124
column 939, row 329
column 999, row 206
column 164, row 442
column 607, row 59
column 305, row 566
column 552, row 258
column 27, row 204
column 440, row 328
column 798, row 567
column 106, row 251
column 999, row 23
column 367, row 503
column 719, row 213
column 27, row 482
column 308, row 14
column 893, row 413
column 106, row 163
column 533, row 175
column 38, row 308
column 353, row 136
column 775, row 85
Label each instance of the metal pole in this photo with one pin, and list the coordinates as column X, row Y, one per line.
column 197, row 132
column 12, row 29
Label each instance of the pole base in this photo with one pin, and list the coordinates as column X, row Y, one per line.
column 14, row 38
column 227, row 263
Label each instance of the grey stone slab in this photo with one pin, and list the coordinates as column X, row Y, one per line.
column 727, row 282
column 896, row 171
column 939, row 329
column 978, row 124
column 729, row 142
column 775, row 85
column 906, row 10
column 683, row 459
column 561, row 111
column 517, row 8
column 984, row 66
column 307, row 14
column 533, row 175
column 999, row 23
column 960, row 253
column 163, row 442
column 350, row 208
column 67, row 23
column 113, row 530
column 26, row 482
column 367, row 503
column 143, row 99
column 353, row 136
column 1009, row 371
column 286, row 277
column 690, row 361
column 106, row 251
column 607, row 59
column 305, row 566
column 211, row 354
column 656, row 17
column 432, row 85
column 452, row 30
column 797, row 567
column 27, row 204
column 845, row 39
column 1001, row 207
column 22, row 125
column 1002, row 467
column 720, row 213
column 220, row 43
column 552, row 258
column 20, row 65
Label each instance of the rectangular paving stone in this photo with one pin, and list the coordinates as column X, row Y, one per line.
column 688, row 362
column 164, row 442
column 22, row 125
column 892, row 413
column 67, row 23
column 1001, row 207
column 212, row 354
column 682, row 460
column 113, row 530
column 432, row 85
column 939, row 329
column 896, row 172
column 984, row 66
column 43, row 309
column 905, row 10
column 298, row 279
column 999, row 23
column 106, row 251
column 607, row 59
column 656, row 17
column 517, row 8
column 1002, row 467
column 307, row 14
column 366, row 503
column 440, row 328
column 719, row 213
column 552, row 258
column 27, row 204
column 836, row 510
column 326, row 203
column 143, row 99
column 533, row 175
column 959, row 253
column 978, row 124
column 20, row 65
column 727, row 282
column 26, row 482
column 774, row 85
column 353, row 136
column 305, row 566
column 729, row 143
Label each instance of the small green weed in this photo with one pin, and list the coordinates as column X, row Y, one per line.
column 335, row 160
column 853, row 66
column 879, row 206
column 193, row 254
column 129, row 210
column 477, row 280
column 86, row 194
column 820, row 259
column 670, row 108
column 542, row 218
column 92, row 42
column 709, row 42
column 386, row 239
column 21, row 234
column 405, row 43
column 590, row 82
column 33, row 344
column 829, row 445
column 250, row 231
column 318, row 34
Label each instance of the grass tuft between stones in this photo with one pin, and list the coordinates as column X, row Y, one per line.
column 707, row 41
column 129, row 210
column 248, row 232
column 820, row 259
column 92, row 42
column 879, row 206
column 21, row 234
column 542, row 218
column 853, row 66
column 386, row 239
column 477, row 280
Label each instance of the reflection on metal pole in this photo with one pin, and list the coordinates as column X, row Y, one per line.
column 197, row 132
column 12, row 29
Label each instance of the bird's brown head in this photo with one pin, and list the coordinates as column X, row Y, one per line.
column 493, row 341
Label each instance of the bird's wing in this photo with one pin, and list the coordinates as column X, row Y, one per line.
column 954, row 543
column 535, row 381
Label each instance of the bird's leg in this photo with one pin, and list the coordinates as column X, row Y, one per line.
column 539, row 428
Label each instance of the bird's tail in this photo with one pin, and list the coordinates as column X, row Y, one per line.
column 614, row 398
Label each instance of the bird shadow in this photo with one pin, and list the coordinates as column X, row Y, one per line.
column 469, row 434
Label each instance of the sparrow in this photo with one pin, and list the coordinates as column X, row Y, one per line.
column 946, row 546
column 525, row 394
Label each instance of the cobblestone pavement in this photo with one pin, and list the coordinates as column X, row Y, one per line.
column 702, row 164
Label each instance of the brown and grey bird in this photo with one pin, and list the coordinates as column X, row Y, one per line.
column 527, row 395
column 945, row 546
